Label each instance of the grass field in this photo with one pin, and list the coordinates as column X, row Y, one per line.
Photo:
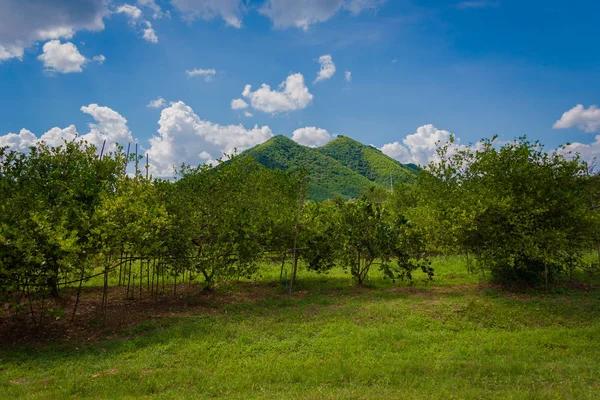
column 455, row 338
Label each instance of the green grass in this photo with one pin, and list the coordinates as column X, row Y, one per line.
column 449, row 339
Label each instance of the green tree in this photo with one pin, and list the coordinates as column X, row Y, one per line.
column 517, row 208
column 366, row 234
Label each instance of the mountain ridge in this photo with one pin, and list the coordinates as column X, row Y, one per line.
column 342, row 167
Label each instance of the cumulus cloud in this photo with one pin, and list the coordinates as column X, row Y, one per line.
column 327, row 68
column 109, row 125
column 135, row 19
column 158, row 12
column 158, row 103
column 23, row 23
column 208, row 74
column 184, row 137
column 131, row 11
column 587, row 120
column 248, row 114
column 238, row 104
column 149, row 33
column 348, row 76
column 64, row 58
column 420, row 147
column 291, row 95
column 304, row 13
column 18, row 141
column 588, row 152
column 229, row 11
column 311, row 136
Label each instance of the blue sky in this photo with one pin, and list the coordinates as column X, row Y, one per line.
column 419, row 70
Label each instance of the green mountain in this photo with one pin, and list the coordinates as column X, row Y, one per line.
column 341, row 168
column 368, row 161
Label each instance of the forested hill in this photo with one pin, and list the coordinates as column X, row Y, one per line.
column 368, row 161
column 341, row 168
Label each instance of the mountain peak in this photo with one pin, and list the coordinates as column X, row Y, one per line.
column 342, row 167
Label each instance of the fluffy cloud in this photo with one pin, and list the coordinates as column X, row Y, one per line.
column 420, row 147
column 135, row 14
column 184, row 137
column 303, row 13
column 238, row 104
column 149, row 33
column 348, row 76
column 229, row 10
column 109, row 125
column 25, row 139
column 588, row 152
column 63, row 58
column 311, row 136
column 22, row 23
column 587, row 120
column 291, row 95
column 21, row 141
column 206, row 73
column 131, row 11
column 158, row 103
column 158, row 12
column 327, row 68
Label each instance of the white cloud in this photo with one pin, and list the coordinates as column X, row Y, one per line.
column 292, row 95
column 588, row 152
column 248, row 114
column 327, row 68
column 397, row 151
column 158, row 103
column 206, row 73
column 184, row 137
column 229, row 10
column 149, row 33
column 348, row 76
column 25, row 139
column 63, row 58
column 23, row 23
column 131, row 11
column 109, row 125
column 303, row 13
column 57, row 136
column 311, row 136
column 238, row 104
column 21, row 141
column 587, row 120
column 158, row 12
column 420, row 147
column 135, row 14
column 99, row 59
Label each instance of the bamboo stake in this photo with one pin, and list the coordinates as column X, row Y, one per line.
column 78, row 294
column 297, row 229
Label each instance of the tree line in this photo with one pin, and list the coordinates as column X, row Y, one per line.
column 518, row 214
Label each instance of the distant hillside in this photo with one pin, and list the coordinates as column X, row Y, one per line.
column 368, row 161
column 328, row 177
column 341, row 168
